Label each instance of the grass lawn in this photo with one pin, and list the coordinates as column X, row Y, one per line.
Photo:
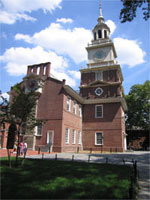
column 50, row 179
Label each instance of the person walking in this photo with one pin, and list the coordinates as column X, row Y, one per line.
column 21, row 148
column 25, row 148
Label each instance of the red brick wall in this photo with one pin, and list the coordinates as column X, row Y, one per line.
column 110, row 125
column 108, row 76
column 73, row 122
column 52, row 106
column 50, row 103
column 108, row 91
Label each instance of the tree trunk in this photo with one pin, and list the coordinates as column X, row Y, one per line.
column 9, row 160
column 18, row 150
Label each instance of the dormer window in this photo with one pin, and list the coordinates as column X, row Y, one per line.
column 99, row 33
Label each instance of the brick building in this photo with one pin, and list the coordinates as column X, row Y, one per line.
column 92, row 119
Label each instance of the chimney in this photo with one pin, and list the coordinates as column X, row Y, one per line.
column 63, row 81
column 29, row 70
column 48, row 69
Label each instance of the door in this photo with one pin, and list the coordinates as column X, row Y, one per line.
column 50, row 139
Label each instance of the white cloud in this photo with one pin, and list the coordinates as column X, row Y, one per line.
column 5, row 95
column 62, row 41
column 75, row 74
column 64, row 20
column 129, row 52
column 111, row 25
column 12, row 10
column 10, row 18
column 17, row 60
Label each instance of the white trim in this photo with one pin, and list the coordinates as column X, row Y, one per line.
column 67, row 135
column 96, row 111
column 79, row 137
column 74, row 107
column 80, row 110
column 96, row 137
column 68, row 103
column 73, row 136
column 96, row 76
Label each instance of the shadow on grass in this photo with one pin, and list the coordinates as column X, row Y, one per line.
column 49, row 179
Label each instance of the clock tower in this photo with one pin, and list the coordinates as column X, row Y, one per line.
column 101, row 88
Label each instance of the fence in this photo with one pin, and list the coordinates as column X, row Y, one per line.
column 78, row 149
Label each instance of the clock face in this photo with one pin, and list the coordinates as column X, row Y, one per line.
column 98, row 91
column 100, row 54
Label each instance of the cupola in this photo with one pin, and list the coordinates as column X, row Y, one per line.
column 101, row 30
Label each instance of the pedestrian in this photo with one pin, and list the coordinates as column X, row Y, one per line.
column 21, row 148
column 15, row 148
column 25, row 148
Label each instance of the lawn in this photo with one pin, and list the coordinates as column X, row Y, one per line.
column 50, row 179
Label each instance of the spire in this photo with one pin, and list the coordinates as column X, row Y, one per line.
column 100, row 8
column 100, row 18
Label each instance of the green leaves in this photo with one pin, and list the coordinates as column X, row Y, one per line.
column 128, row 12
column 138, row 101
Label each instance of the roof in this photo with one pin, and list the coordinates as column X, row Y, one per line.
column 82, row 100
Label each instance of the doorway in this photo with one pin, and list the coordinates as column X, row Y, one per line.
column 50, row 139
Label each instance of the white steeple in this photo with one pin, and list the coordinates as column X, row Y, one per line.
column 100, row 18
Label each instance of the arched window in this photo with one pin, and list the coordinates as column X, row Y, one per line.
column 95, row 36
column 105, row 33
column 99, row 34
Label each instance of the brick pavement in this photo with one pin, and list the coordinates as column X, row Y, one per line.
column 3, row 153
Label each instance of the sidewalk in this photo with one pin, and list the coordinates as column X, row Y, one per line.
column 3, row 153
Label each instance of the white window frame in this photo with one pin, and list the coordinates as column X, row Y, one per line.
column 97, row 76
column 96, row 116
column 74, row 137
column 79, row 137
column 37, row 130
column 102, row 143
column 67, row 135
column 80, row 110
column 68, row 103
column 74, row 107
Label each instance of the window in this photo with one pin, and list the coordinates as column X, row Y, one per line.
column 99, row 34
column 79, row 137
column 99, row 76
column 73, row 137
column 39, row 130
column 80, row 110
column 74, row 107
column 68, row 103
column 98, row 138
column 99, row 111
column 67, row 136
column 95, row 36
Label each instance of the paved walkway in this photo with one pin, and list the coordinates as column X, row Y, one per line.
column 142, row 158
column 3, row 153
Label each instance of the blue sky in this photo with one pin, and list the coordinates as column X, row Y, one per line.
column 58, row 31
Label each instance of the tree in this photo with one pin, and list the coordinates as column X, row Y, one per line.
column 21, row 107
column 138, row 102
column 129, row 10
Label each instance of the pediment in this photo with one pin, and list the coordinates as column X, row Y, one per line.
column 95, row 83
